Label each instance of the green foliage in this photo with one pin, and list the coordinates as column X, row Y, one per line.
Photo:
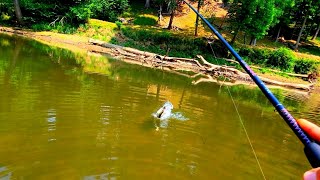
column 255, row 56
column 37, row 11
column 283, row 10
column 119, row 24
column 305, row 66
column 282, row 59
column 161, row 41
column 264, row 70
column 255, row 17
column 142, row 20
column 315, row 50
column 261, row 56
column 82, row 12
column 82, row 28
column 6, row 10
column 71, row 12
column 107, row 9
column 4, row 17
column 66, row 29
column 41, row 27
column 262, row 15
column 245, row 52
column 225, row 2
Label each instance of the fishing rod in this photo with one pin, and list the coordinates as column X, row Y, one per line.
column 311, row 149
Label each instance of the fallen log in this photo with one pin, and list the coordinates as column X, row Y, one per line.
column 287, row 85
column 199, row 67
column 103, row 44
column 172, row 64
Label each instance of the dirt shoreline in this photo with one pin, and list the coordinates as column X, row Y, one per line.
column 77, row 43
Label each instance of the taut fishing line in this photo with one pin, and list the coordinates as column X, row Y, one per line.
column 242, row 124
column 240, row 119
column 311, row 148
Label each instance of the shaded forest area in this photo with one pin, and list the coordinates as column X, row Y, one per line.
column 289, row 23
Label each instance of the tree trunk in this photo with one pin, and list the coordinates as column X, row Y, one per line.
column 244, row 38
column 294, row 29
column 171, row 19
column 279, row 31
column 235, row 36
column 147, row 5
column 197, row 19
column 317, row 32
column 160, row 17
column 18, row 11
column 225, row 3
column 253, row 41
column 301, row 30
column 223, row 20
column 307, row 34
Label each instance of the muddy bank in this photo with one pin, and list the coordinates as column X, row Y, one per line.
column 198, row 69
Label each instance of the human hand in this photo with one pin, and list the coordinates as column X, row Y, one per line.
column 314, row 132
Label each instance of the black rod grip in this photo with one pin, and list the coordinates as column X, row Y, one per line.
column 312, row 151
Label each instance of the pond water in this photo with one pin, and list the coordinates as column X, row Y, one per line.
column 69, row 115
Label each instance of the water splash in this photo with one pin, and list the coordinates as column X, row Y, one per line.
column 164, row 114
column 178, row 116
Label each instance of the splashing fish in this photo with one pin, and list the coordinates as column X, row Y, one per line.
column 164, row 112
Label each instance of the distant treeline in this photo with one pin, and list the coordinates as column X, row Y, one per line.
column 29, row 12
column 283, row 19
column 254, row 19
column 257, row 18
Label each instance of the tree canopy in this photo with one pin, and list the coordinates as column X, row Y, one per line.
column 292, row 19
column 73, row 11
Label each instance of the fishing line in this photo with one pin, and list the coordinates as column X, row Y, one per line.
column 242, row 124
column 240, row 119
column 214, row 55
column 244, row 128
column 311, row 148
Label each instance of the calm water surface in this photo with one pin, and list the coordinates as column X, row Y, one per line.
column 73, row 116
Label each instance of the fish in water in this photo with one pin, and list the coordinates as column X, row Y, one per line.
column 165, row 111
column 163, row 114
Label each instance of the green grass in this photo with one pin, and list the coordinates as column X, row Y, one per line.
column 145, row 20
column 314, row 50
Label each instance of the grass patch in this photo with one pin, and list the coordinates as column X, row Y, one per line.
column 95, row 23
column 314, row 50
column 145, row 20
column 97, row 29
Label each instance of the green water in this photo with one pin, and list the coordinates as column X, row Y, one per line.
column 72, row 116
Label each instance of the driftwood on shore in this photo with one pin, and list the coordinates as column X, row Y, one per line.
column 202, row 70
